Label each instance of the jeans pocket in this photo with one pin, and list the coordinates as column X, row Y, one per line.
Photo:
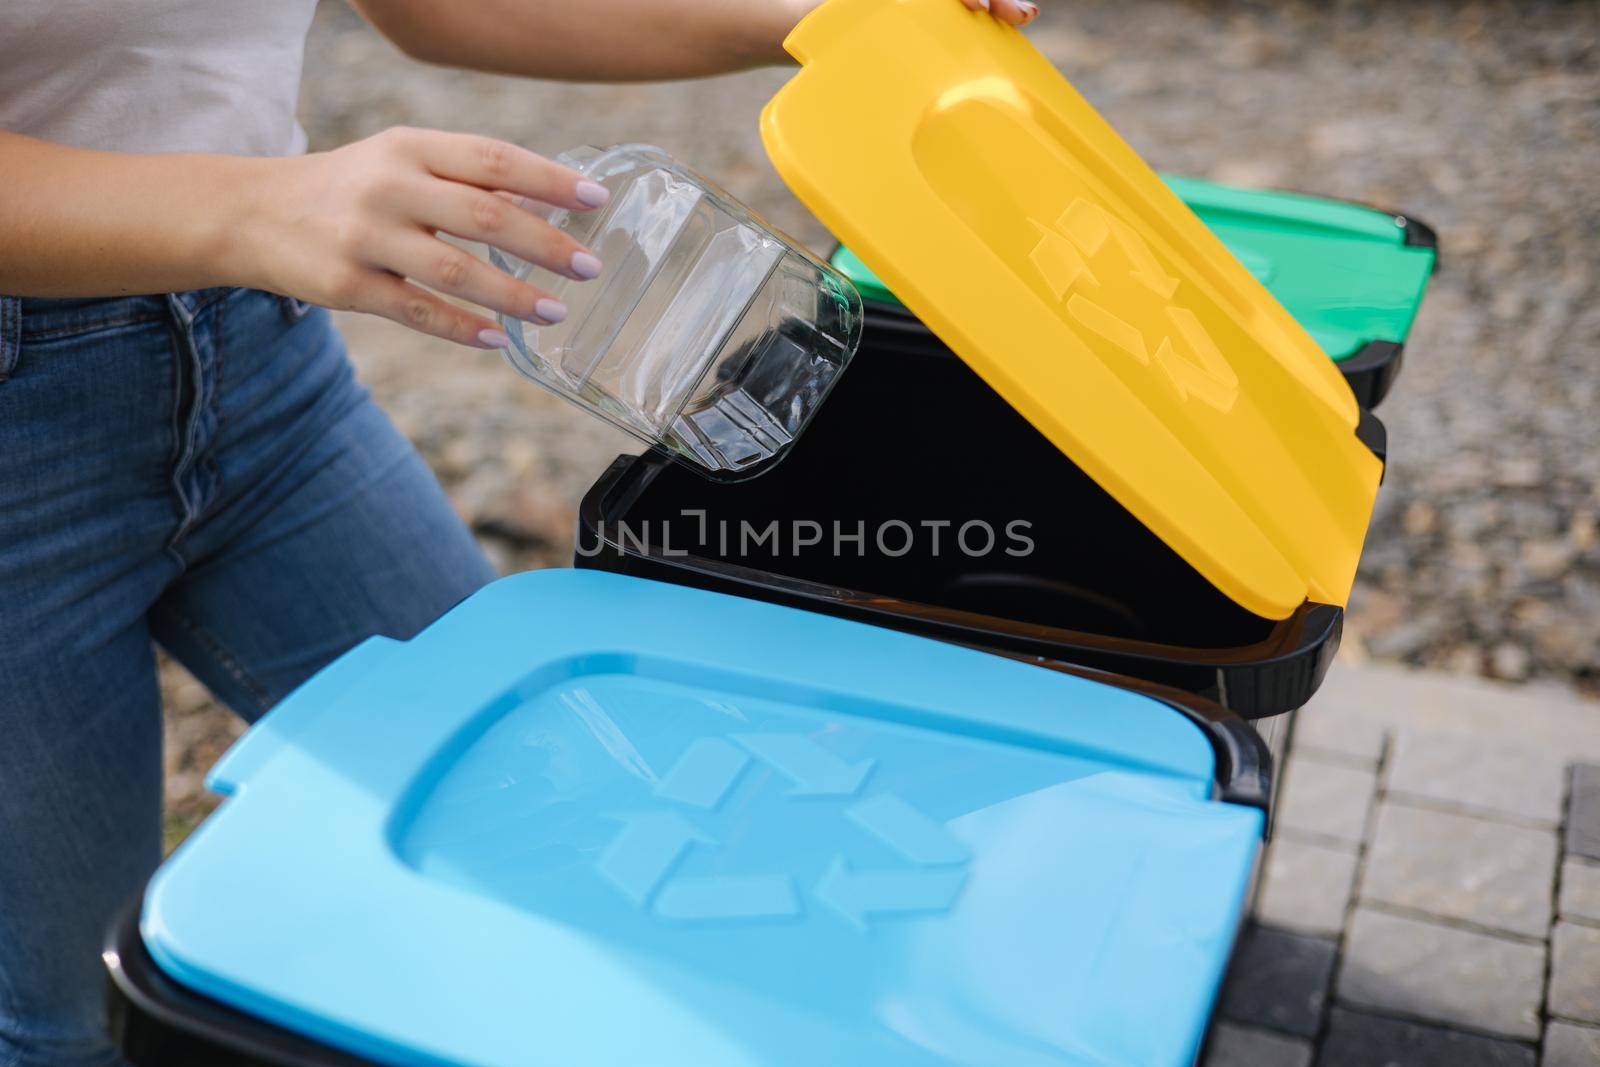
column 10, row 334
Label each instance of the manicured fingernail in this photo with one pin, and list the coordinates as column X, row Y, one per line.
column 494, row 338
column 592, row 194
column 585, row 265
column 1029, row 12
column 550, row 310
column 984, row 4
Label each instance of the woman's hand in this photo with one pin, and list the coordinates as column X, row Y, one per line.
column 359, row 228
column 1013, row 12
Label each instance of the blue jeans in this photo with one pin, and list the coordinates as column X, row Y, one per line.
column 201, row 471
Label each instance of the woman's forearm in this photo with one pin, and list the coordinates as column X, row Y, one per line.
column 620, row 40
column 357, row 228
column 76, row 222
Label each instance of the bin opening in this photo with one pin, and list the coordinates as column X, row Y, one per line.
column 908, row 446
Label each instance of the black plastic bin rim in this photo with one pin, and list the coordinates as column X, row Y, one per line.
column 158, row 1022
column 1243, row 764
column 1299, row 639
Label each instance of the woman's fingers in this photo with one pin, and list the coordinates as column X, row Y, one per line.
column 475, row 214
column 491, row 164
column 357, row 228
column 533, row 207
column 394, row 298
column 1013, row 12
column 448, row 269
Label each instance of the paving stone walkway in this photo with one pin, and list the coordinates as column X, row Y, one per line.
column 1431, row 894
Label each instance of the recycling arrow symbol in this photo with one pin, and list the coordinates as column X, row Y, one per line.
column 1184, row 350
column 640, row 860
column 859, row 895
column 813, row 769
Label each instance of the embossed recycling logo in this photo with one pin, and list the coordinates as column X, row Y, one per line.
column 1096, row 262
column 641, row 860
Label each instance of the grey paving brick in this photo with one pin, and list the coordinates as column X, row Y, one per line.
column 1279, row 980
column 1583, row 813
column 1325, row 800
column 1465, row 771
column 1570, row 1045
column 1580, row 889
column 1325, row 730
column 1306, row 887
column 1356, row 1039
column 1244, row 1046
column 1442, row 974
column 1575, row 972
column 1459, row 867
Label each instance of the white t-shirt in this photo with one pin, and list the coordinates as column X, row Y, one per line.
column 155, row 75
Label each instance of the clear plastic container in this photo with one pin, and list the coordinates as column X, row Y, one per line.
column 709, row 333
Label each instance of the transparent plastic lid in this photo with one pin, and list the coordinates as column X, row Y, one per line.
column 709, row 333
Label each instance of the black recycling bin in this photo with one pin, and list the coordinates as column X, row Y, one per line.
column 1098, row 589
column 1149, row 464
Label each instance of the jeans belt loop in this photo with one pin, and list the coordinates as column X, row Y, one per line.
column 10, row 334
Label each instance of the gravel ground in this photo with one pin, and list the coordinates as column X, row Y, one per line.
column 1481, row 118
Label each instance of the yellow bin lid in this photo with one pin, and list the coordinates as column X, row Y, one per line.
column 969, row 175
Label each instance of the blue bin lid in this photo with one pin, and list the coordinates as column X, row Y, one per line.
column 591, row 819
